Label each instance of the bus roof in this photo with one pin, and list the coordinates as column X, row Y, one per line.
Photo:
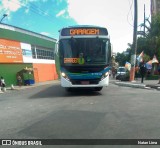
column 83, row 26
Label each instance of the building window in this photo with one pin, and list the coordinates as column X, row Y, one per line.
column 33, row 52
column 42, row 53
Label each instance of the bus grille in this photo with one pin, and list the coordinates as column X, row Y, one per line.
column 90, row 81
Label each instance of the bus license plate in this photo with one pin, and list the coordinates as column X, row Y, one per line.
column 84, row 82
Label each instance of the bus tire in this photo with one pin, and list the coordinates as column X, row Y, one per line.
column 98, row 88
column 68, row 89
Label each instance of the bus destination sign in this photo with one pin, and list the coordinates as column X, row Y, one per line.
column 83, row 31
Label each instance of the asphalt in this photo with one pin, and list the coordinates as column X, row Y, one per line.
column 148, row 84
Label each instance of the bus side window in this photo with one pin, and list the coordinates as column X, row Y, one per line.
column 109, row 53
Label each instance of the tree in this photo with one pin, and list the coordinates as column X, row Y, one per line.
column 153, row 36
column 150, row 43
column 146, row 58
column 121, row 58
column 124, row 57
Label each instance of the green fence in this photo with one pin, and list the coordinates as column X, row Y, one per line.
column 9, row 71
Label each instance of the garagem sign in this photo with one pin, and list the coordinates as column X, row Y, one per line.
column 84, row 31
column 78, row 31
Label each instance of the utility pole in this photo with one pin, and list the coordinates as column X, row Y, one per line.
column 134, row 46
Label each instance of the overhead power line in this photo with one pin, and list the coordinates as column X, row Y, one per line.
column 39, row 12
column 130, row 12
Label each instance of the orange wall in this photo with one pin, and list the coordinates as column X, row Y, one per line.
column 44, row 72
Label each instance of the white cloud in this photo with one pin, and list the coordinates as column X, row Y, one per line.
column 14, row 5
column 88, row 11
column 62, row 12
column 45, row 33
column 11, row 5
column 106, row 13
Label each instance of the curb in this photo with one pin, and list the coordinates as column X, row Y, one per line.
column 143, row 86
column 131, row 85
column 32, row 86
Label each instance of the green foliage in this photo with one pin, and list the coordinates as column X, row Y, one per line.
column 150, row 44
column 155, row 26
column 142, row 45
column 124, row 57
column 121, row 58
column 146, row 58
column 153, row 37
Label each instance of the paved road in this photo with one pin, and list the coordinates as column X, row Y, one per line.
column 49, row 112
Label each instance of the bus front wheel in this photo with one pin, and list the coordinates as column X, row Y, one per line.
column 68, row 89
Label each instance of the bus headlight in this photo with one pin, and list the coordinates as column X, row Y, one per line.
column 64, row 75
column 104, row 75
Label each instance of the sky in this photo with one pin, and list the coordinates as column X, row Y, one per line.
column 47, row 17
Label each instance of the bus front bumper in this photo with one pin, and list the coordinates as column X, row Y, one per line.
column 67, row 83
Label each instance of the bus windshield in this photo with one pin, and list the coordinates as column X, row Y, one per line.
column 88, row 50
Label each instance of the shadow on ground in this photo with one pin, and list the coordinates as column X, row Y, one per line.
column 58, row 91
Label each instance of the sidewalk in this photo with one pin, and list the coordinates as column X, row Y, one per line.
column 147, row 84
column 31, row 86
